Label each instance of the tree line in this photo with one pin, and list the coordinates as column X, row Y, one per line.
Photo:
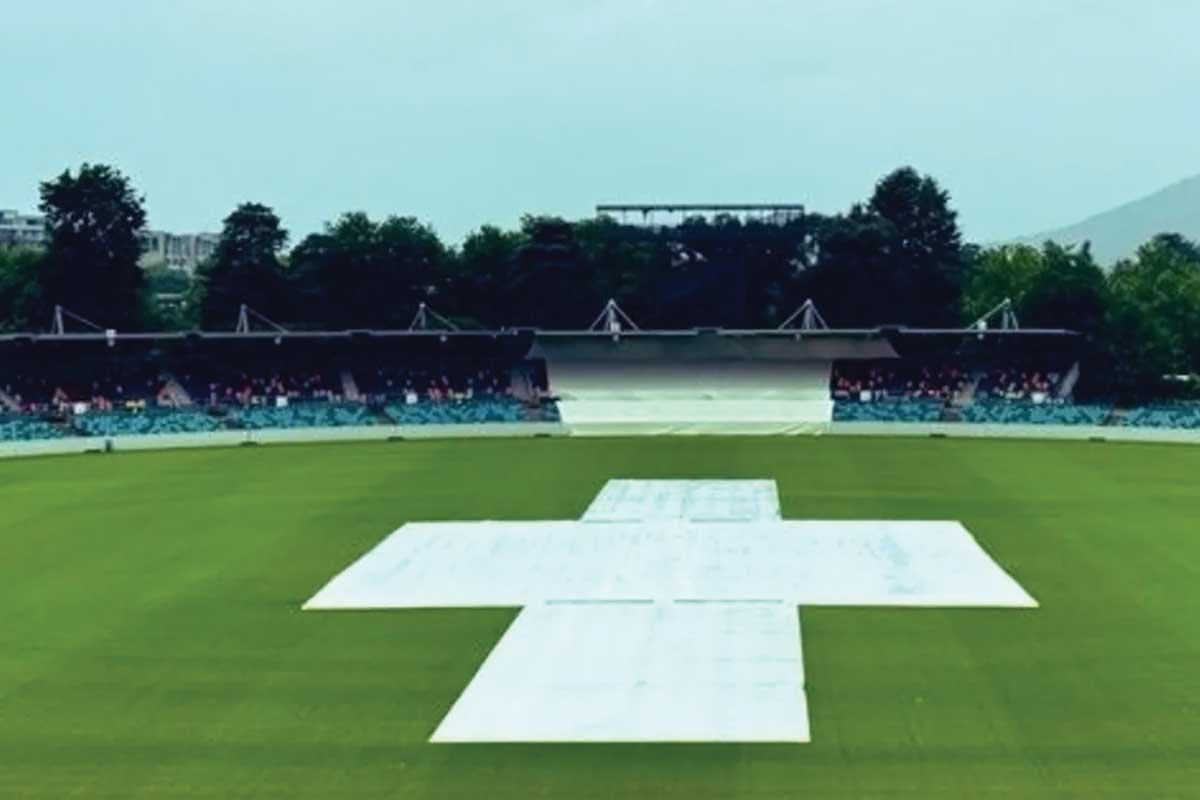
column 896, row 258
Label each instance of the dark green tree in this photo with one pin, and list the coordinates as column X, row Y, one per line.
column 625, row 263
column 415, row 265
column 1069, row 291
column 22, row 306
column 551, row 285
column 998, row 273
column 245, row 268
column 925, row 254
column 94, row 219
column 359, row 273
column 482, row 283
column 165, row 280
column 1153, row 327
column 898, row 259
column 854, row 280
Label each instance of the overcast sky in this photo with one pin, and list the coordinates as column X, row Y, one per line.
column 1032, row 113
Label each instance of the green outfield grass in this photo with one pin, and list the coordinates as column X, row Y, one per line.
column 151, row 642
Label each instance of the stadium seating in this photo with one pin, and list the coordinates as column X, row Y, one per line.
column 1025, row 413
column 897, row 410
column 16, row 428
column 892, row 380
column 301, row 415
column 491, row 409
column 149, row 421
column 1175, row 416
column 122, row 394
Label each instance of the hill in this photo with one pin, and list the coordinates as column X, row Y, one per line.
column 1118, row 232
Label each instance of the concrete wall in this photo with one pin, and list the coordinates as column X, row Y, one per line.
column 492, row 430
column 966, row 430
column 91, row 444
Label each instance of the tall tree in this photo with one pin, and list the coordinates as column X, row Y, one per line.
column 22, row 305
column 625, row 263
column 484, row 275
column 1154, row 319
column 93, row 219
column 1069, row 291
column 359, row 273
column 854, row 279
column 551, row 285
column 925, row 253
column 244, row 268
column 998, row 273
column 708, row 278
column 415, row 264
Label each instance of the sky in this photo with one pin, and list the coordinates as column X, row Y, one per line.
column 1031, row 113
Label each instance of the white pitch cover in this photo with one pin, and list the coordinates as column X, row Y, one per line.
column 639, row 672
column 647, row 500
column 810, row 562
column 667, row 613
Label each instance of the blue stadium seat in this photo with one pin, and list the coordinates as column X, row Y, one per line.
column 302, row 415
column 148, row 421
column 895, row 410
column 1163, row 416
column 15, row 428
column 479, row 410
column 1015, row 412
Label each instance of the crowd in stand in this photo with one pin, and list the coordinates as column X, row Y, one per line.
column 873, row 381
column 211, row 387
column 251, row 387
column 83, row 398
column 41, row 394
column 92, row 398
column 1017, row 384
column 462, row 382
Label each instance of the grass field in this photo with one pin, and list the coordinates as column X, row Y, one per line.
column 151, row 643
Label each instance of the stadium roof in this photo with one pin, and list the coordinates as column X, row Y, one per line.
column 853, row 333
column 646, row 208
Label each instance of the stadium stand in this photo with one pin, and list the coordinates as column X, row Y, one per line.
column 931, row 392
column 671, row 383
column 1182, row 415
column 147, row 421
column 865, row 382
column 1023, row 412
column 1017, row 384
column 245, row 387
column 888, row 410
column 428, row 381
column 24, row 428
column 102, row 385
column 480, row 410
column 301, row 415
column 59, row 388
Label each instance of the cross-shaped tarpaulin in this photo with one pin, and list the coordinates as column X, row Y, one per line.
column 666, row 613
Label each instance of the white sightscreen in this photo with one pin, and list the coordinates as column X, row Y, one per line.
column 692, row 393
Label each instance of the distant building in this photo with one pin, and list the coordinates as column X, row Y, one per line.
column 22, row 230
column 182, row 251
column 162, row 249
